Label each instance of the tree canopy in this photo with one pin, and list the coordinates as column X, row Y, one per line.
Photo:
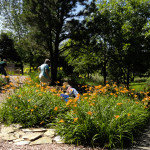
column 112, row 35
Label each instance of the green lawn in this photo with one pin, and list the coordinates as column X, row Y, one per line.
column 139, row 84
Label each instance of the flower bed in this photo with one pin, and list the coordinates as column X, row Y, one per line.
column 108, row 115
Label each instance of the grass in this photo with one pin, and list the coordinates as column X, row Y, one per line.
column 139, row 84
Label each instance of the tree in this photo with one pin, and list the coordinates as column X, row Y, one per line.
column 81, row 58
column 7, row 49
column 11, row 11
column 120, row 27
column 96, row 34
column 130, row 18
column 52, row 19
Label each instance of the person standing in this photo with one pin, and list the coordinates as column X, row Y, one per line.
column 44, row 72
column 3, row 65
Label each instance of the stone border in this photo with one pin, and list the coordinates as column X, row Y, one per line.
column 29, row 136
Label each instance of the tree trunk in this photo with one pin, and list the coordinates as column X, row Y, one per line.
column 31, row 60
column 53, row 73
column 54, row 61
column 128, row 77
column 104, row 72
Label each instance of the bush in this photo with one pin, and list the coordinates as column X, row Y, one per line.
column 31, row 106
column 103, row 118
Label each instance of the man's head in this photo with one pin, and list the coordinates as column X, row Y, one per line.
column 47, row 61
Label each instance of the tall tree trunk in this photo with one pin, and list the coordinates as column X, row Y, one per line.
column 128, row 77
column 31, row 61
column 53, row 72
column 54, row 61
column 53, row 68
column 104, row 73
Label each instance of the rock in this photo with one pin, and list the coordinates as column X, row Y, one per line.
column 22, row 143
column 58, row 139
column 5, row 129
column 8, row 137
column 50, row 132
column 42, row 140
column 19, row 134
column 143, row 148
column 18, row 140
column 34, row 130
column 32, row 136
column 16, row 126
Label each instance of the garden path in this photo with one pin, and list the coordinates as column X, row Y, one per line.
column 143, row 142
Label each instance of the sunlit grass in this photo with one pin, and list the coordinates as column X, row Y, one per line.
column 139, row 84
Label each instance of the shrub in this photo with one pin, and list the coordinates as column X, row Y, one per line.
column 31, row 106
column 102, row 119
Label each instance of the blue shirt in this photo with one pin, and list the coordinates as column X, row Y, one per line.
column 43, row 69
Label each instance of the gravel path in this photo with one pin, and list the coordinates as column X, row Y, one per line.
column 7, row 146
column 143, row 142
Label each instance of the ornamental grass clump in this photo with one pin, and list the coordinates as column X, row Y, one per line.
column 104, row 119
column 32, row 106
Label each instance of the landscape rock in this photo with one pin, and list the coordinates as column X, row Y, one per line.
column 8, row 137
column 50, row 132
column 34, row 130
column 32, row 136
column 43, row 140
column 5, row 129
column 58, row 139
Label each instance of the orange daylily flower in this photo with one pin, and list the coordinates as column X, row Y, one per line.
column 129, row 114
column 61, row 121
column 117, row 116
column 56, row 108
column 119, row 104
column 75, row 119
column 89, row 113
